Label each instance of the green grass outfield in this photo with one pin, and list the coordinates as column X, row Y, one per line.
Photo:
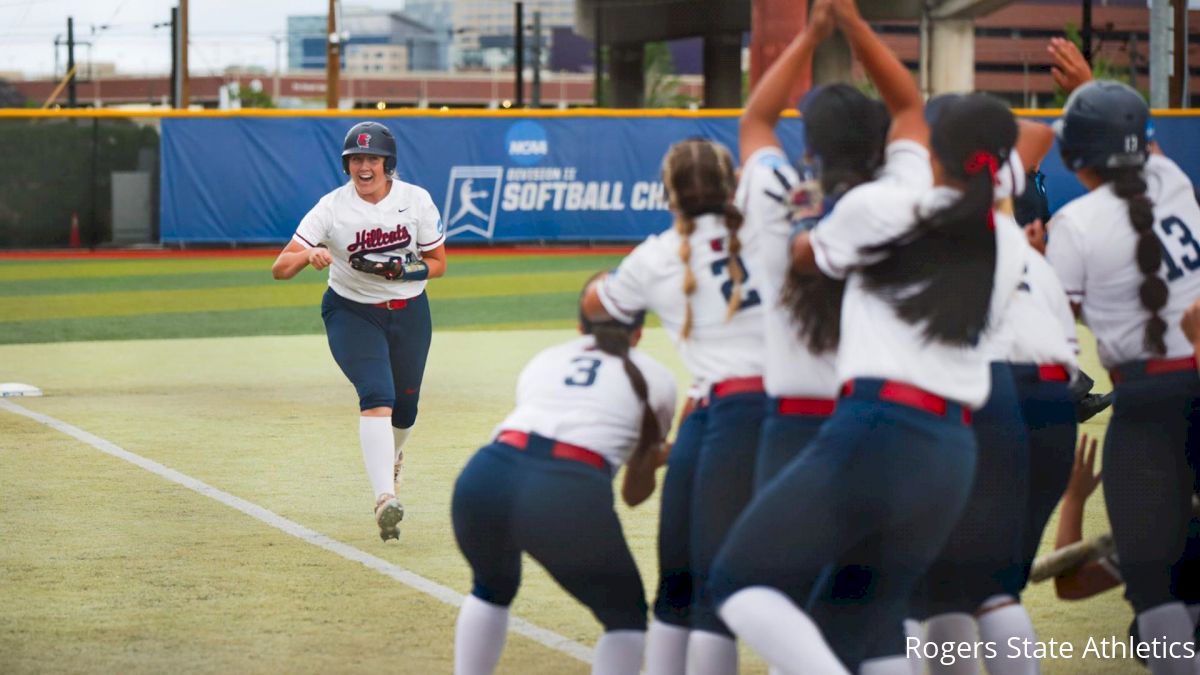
column 210, row 368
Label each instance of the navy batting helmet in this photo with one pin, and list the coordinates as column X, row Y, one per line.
column 370, row 138
column 1103, row 126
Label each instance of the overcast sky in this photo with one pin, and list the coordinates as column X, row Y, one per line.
column 223, row 32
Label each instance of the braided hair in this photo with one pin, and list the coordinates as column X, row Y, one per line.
column 613, row 338
column 1129, row 185
column 699, row 179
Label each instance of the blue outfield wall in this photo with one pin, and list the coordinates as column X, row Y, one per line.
column 504, row 179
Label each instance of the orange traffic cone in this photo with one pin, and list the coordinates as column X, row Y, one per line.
column 73, row 241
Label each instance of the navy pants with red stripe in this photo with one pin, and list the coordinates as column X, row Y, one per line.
column 877, row 492
column 381, row 351
column 782, row 439
column 508, row 501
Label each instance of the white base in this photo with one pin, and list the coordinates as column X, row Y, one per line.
column 17, row 389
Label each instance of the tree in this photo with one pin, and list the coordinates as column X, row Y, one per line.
column 663, row 88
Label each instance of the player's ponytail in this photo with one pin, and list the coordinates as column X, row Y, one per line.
column 1128, row 184
column 733, row 222
column 613, row 338
column 940, row 273
column 698, row 178
column 845, row 155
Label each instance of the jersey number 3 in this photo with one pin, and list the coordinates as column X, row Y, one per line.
column 1177, row 229
column 585, row 372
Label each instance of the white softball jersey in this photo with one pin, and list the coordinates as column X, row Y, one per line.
column 577, row 394
column 764, row 196
column 403, row 224
column 1040, row 317
column 1092, row 247
column 651, row 278
column 875, row 342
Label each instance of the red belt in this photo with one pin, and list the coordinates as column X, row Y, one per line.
column 1152, row 367
column 1052, row 372
column 737, row 385
column 913, row 397
column 391, row 304
column 560, row 450
column 809, row 407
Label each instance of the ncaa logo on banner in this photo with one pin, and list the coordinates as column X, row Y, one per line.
column 526, row 143
column 472, row 196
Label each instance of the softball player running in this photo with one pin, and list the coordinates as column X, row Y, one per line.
column 544, row 486
column 1127, row 255
column 695, row 278
column 887, row 476
column 381, row 239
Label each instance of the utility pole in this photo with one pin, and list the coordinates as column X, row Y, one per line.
column 275, row 89
column 175, row 57
column 184, row 98
column 1085, row 32
column 536, row 93
column 1161, row 40
column 1179, row 63
column 519, row 54
column 598, row 59
column 71, row 100
column 333, row 59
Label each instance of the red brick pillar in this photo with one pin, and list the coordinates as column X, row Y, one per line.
column 773, row 24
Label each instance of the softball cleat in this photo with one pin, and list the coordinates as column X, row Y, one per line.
column 388, row 514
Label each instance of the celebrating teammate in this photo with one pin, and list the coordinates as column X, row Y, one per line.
column 381, row 239
column 844, row 136
column 544, row 486
column 1126, row 253
column 887, row 476
column 695, row 278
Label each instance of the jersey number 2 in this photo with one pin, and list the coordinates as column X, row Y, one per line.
column 749, row 298
column 1174, row 227
column 585, row 372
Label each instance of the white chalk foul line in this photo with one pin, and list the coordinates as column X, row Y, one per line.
column 532, row 631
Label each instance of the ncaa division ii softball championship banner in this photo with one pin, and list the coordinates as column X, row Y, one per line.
column 505, row 179
column 495, row 179
column 251, row 179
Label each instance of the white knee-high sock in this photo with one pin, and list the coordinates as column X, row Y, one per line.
column 619, row 652
column 401, row 436
column 375, row 436
column 666, row 649
column 1168, row 623
column 953, row 629
column 1001, row 624
column 779, row 631
column 887, row 665
column 711, row 654
column 479, row 637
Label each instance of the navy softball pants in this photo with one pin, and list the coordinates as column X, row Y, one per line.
column 508, row 501
column 782, row 438
column 381, row 351
column 1150, row 454
column 1049, row 415
column 673, row 604
column 724, row 485
column 877, row 492
column 983, row 556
